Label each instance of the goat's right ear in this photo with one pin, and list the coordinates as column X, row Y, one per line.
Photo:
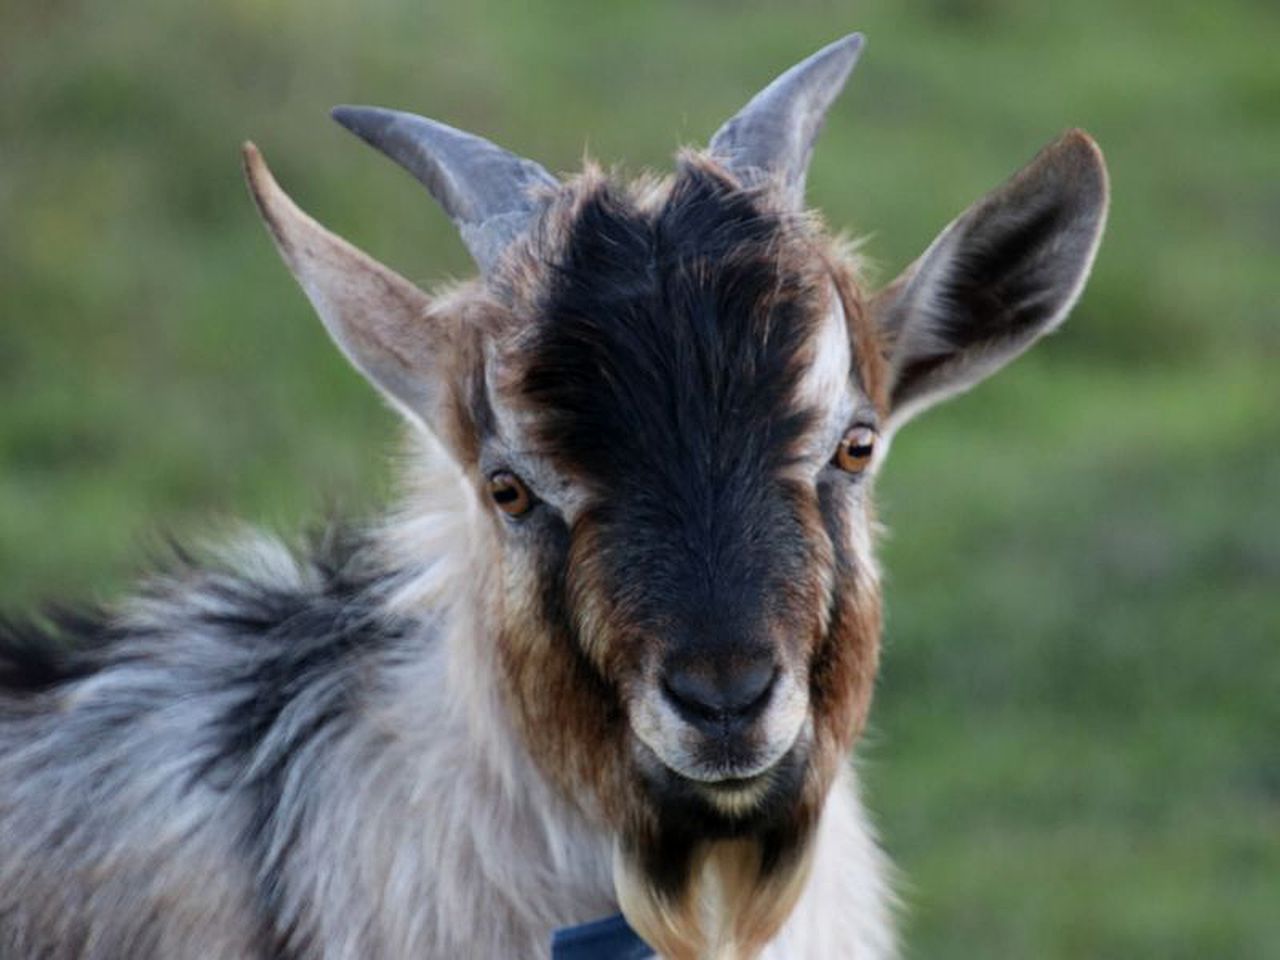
column 378, row 318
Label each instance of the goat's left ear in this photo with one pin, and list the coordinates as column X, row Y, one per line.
column 380, row 320
column 1003, row 274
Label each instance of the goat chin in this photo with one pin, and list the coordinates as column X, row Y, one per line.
column 833, row 902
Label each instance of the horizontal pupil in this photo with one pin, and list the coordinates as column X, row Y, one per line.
column 862, row 451
column 506, row 494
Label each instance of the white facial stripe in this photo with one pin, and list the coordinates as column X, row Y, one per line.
column 827, row 379
column 829, row 386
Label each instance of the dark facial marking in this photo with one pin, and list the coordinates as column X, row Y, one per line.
column 665, row 371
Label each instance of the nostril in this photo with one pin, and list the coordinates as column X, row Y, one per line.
column 702, row 695
column 749, row 695
column 691, row 695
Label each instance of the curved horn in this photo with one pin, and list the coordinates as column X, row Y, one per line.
column 489, row 193
column 772, row 136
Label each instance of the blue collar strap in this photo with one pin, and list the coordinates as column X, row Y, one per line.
column 609, row 939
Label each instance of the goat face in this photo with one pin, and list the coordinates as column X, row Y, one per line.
column 670, row 402
column 673, row 414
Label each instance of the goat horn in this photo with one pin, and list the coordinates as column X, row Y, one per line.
column 490, row 194
column 772, row 136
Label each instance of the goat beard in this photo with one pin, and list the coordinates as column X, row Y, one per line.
column 731, row 896
column 689, row 897
column 727, row 898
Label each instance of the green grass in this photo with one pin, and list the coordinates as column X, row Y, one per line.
column 1074, row 749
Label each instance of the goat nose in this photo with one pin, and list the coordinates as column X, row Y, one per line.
column 706, row 694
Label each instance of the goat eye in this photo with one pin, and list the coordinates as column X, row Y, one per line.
column 510, row 493
column 854, row 453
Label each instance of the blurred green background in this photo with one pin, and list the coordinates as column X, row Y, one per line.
column 1075, row 749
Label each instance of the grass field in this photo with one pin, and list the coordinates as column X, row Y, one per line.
column 1076, row 744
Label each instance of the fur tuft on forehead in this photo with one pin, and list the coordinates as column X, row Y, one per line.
column 677, row 328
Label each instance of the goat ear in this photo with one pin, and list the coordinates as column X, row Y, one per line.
column 378, row 318
column 1003, row 274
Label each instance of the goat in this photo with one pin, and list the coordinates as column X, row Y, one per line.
column 615, row 646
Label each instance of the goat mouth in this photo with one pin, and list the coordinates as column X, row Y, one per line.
column 736, row 797
column 726, row 760
column 725, row 805
column 731, row 784
column 719, row 768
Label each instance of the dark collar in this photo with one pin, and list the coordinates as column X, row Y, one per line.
column 609, row 939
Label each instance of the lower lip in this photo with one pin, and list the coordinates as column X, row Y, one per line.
column 737, row 796
column 734, row 784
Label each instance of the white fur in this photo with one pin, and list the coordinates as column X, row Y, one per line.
column 845, row 912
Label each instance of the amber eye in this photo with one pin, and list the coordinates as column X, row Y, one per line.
column 510, row 493
column 854, row 453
